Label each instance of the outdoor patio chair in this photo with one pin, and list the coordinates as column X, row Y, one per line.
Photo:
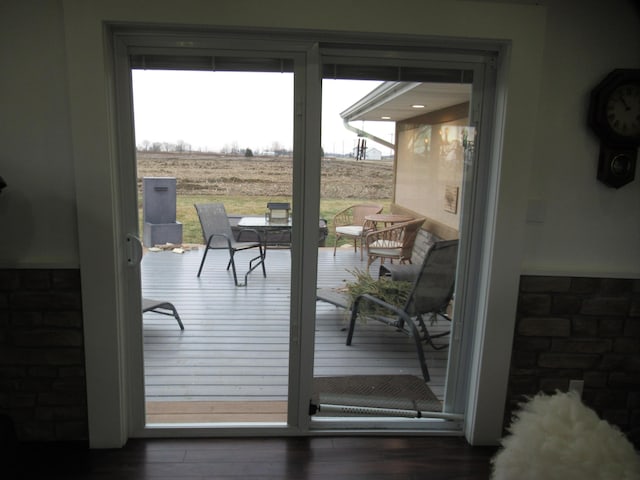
column 392, row 243
column 162, row 307
column 217, row 234
column 429, row 299
column 349, row 223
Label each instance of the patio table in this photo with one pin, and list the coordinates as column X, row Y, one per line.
column 263, row 222
column 387, row 219
column 263, row 225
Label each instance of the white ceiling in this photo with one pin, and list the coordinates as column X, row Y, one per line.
column 388, row 102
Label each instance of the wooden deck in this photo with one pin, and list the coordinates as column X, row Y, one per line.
column 231, row 361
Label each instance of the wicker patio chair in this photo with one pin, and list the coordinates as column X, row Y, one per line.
column 217, row 234
column 349, row 223
column 430, row 297
column 392, row 243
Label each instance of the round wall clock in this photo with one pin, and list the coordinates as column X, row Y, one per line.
column 614, row 111
column 614, row 116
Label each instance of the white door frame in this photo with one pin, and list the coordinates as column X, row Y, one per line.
column 111, row 347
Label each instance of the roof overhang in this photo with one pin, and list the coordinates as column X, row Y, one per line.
column 394, row 101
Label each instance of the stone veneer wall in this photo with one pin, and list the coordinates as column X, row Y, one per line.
column 580, row 328
column 42, row 374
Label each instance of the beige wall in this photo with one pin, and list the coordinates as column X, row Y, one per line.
column 429, row 165
column 576, row 225
column 38, row 223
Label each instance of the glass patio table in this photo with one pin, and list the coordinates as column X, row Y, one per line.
column 263, row 225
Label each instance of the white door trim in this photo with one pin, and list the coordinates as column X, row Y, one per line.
column 102, row 263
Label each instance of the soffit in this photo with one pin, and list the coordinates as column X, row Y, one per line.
column 395, row 100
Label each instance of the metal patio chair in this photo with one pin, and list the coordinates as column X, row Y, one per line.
column 217, row 234
column 162, row 307
column 430, row 297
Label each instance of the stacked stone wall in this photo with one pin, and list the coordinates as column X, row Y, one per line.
column 576, row 328
column 42, row 368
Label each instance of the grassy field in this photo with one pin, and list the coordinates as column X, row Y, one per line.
column 245, row 185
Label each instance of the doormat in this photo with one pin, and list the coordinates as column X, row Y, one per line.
column 401, row 392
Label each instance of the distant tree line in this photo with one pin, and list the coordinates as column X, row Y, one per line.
column 180, row 146
column 276, row 149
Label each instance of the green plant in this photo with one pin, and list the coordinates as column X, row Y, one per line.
column 390, row 291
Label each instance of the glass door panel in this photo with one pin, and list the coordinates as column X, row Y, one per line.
column 406, row 154
column 225, row 138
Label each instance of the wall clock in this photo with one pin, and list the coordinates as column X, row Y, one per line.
column 614, row 116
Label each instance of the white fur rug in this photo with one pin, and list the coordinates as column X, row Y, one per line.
column 558, row 437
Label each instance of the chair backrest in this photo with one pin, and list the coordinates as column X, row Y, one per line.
column 433, row 287
column 394, row 242
column 214, row 220
column 409, row 233
column 361, row 211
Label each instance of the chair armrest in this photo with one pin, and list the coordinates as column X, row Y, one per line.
column 399, row 271
column 226, row 237
column 253, row 231
column 343, row 217
column 367, row 297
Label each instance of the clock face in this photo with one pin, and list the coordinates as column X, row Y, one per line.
column 623, row 110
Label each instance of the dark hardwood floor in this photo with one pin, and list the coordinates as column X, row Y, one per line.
column 389, row 458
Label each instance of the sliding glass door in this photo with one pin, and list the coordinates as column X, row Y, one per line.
column 259, row 356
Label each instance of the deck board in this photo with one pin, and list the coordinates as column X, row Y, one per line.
column 235, row 344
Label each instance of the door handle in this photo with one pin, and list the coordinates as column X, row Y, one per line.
column 134, row 250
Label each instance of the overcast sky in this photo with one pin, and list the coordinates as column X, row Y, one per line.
column 213, row 110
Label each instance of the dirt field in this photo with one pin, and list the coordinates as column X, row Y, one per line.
column 212, row 174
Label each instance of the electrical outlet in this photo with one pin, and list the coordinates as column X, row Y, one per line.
column 576, row 386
